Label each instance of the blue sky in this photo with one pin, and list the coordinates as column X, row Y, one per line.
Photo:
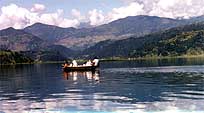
column 70, row 13
column 67, row 5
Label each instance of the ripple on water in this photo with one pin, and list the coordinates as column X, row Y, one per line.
column 164, row 69
column 145, row 89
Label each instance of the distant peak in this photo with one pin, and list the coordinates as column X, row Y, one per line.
column 11, row 31
column 9, row 28
column 46, row 26
column 40, row 24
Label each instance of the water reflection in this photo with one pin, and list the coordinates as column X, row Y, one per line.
column 119, row 86
column 82, row 75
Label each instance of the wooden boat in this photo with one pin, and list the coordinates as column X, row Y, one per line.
column 80, row 68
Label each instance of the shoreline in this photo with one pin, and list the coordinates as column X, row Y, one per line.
column 153, row 58
column 116, row 59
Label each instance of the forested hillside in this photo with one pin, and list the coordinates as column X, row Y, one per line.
column 9, row 57
column 185, row 40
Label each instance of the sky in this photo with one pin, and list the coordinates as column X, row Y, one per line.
column 70, row 13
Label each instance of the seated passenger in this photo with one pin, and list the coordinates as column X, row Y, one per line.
column 66, row 64
column 95, row 61
column 89, row 63
column 74, row 63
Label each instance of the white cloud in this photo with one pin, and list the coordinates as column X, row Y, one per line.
column 77, row 14
column 177, row 8
column 18, row 17
column 162, row 8
column 13, row 16
column 131, row 10
column 171, row 8
column 57, row 19
column 38, row 8
column 96, row 17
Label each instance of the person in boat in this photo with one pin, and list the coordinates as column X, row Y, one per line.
column 95, row 61
column 74, row 63
column 89, row 63
column 66, row 64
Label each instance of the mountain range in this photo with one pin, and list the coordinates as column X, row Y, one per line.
column 31, row 46
column 19, row 40
column 123, row 37
column 179, row 41
column 82, row 38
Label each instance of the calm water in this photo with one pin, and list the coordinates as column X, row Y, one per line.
column 136, row 86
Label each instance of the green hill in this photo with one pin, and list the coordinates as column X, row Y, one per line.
column 185, row 44
column 179, row 41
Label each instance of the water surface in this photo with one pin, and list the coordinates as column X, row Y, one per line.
column 132, row 86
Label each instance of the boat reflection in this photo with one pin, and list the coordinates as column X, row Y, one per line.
column 80, row 75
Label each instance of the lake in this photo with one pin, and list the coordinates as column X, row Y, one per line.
column 119, row 87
